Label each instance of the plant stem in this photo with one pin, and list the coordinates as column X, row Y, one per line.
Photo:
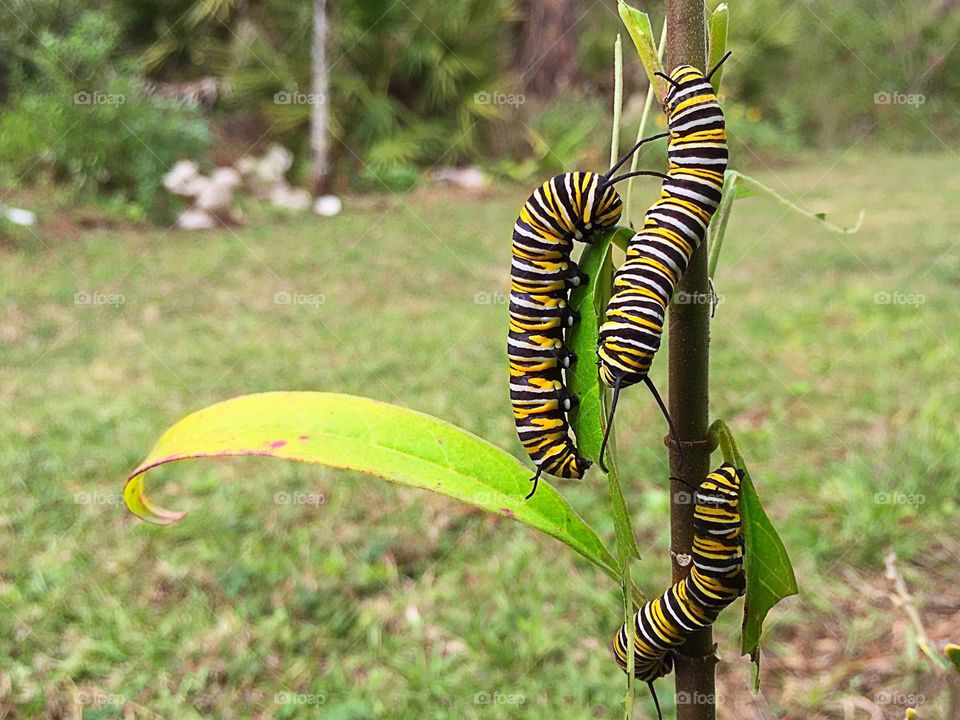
column 689, row 395
column 617, row 100
column 647, row 104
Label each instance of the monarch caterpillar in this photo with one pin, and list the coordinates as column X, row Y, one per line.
column 673, row 228
column 568, row 207
column 715, row 581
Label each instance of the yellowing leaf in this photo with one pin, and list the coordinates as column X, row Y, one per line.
column 387, row 441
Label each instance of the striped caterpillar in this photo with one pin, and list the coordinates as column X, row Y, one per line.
column 715, row 581
column 567, row 208
column 673, row 228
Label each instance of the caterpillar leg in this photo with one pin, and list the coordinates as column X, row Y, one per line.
column 536, row 481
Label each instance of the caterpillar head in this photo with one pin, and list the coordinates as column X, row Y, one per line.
column 597, row 205
column 686, row 82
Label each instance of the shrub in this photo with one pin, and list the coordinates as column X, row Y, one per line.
column 77, row 114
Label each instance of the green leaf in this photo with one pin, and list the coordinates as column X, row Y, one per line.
column 736, row 185
column 641, row 32
column 953, row 655
column 387, row 441
column 717, row 230
column 717, row 33
column 589, row 419
column 753, row 186
column 583, row 380
column 770, row 576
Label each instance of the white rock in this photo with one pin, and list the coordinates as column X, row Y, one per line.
column 182, row 177
column 469, row 178
column 215, row 193
column 194, row 219
column 289, row 198
column 247, row 165
column 327, row 205
column 278, row 159
column 18, row 216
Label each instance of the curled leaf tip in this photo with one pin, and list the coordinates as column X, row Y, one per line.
column 142, row 506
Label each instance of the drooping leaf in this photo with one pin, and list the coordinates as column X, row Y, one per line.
column 383, row 440
column 736, row 186
column 717, row 34
column 583, row 380
column 641, row 32
column 770, row 576
column 747, row 184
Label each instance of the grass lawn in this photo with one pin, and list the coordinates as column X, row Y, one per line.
column 834, row 359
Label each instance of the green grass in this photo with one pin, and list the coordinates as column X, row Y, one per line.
column 384, row 602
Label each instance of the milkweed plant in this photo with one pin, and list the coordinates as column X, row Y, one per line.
column 413, row 449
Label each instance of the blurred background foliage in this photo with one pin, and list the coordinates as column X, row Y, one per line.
column 423, row 82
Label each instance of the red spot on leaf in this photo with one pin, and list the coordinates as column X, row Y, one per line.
column 508, row 512
column 278, row 443
column 303, row 437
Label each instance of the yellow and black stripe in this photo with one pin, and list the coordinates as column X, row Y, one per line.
column 566, row 208
column 673, row 228
column 715, row 581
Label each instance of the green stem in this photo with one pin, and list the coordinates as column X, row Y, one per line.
column 720, row 436
column 689, row 343
column 647, row 104
column 624, row 550
column 617, row 100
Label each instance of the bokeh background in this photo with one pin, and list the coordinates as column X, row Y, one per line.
column 296, row 592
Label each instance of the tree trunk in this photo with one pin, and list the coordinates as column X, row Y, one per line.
column 689, row 396
column 548, row 46
column 319, row 108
